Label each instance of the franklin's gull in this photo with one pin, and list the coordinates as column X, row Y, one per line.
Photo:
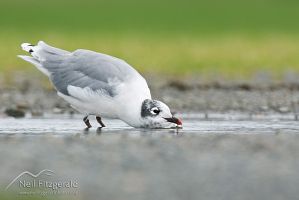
column 101, row 85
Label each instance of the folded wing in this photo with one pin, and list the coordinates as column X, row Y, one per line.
column 81, row 68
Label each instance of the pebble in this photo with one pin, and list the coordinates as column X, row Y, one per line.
column 17, row 113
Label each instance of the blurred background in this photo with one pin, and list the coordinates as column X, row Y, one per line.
column 211, row 40
column 228, row 68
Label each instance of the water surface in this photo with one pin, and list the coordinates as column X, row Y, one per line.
column 196, row 123
column 226, row 156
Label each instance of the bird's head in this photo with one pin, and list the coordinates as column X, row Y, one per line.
column 156, row 114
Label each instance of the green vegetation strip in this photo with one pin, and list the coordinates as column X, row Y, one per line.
column 229, row 56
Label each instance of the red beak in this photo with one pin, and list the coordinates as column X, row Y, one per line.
column 174, row 120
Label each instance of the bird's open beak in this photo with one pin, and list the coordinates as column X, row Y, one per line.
column 174, row 120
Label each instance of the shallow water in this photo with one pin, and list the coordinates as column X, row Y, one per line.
column 195, row 123
column 230, row 155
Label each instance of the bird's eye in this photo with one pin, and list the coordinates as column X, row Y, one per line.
column 155, row 111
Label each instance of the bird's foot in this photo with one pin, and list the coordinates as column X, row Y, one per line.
column 86, row 130
column 99, row 130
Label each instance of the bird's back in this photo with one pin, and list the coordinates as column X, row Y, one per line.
column 89, row 80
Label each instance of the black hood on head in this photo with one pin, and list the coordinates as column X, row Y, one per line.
column 146, row 107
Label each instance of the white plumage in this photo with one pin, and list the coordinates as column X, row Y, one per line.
column 98, row 84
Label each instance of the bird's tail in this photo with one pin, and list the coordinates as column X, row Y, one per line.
column 28, row 47
column 40, row 52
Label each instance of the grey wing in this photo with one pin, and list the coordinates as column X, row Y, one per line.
column 89, row 69
column 83, row 68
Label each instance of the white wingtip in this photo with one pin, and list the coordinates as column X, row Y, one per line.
column 41, row 42
column 29, row 59
column 20, row 56
column 36, row 63
column 26, row 46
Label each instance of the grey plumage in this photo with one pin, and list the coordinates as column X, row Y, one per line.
column 146, row 107
column 101, row 85
column 81, row 68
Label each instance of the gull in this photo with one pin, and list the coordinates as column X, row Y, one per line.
column 100, row 85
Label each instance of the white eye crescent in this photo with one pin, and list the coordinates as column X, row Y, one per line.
column 155, row 111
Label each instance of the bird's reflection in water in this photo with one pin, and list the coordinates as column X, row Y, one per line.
column 140, row 132
column 99, row 130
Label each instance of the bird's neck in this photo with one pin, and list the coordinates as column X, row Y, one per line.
column 132, row 115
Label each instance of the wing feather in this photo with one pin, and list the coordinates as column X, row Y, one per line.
column 81, row 68
column 88, row 69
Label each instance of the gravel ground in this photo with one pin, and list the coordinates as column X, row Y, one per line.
column 187, row 96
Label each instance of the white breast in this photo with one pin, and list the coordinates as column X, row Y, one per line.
column 126, row 105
